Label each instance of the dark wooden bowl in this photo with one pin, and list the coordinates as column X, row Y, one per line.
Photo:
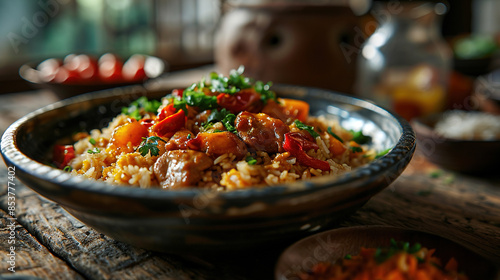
column 335, row 244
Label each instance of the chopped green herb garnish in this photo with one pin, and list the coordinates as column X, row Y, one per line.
column 250, row 160
column 347, row 257
column 382, row 255
column 67, row 168
column 310, row 129
column 150, row 145
column 265, row 92
column 383, row 153
column 227, row 118
column 142, row 103
column 189, row 136
column 436, row 173
column 195, row 98
column 92, row 141
column 360, row 138
column 231, row 84
column 329, row 130
column 356, row 149
column 94, row 151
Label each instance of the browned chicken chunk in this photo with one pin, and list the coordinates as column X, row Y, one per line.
column 261, row 132
column 181, row 168
column 179, row 140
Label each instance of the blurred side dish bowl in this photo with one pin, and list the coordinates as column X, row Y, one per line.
column 464, row 141
column 80, row 73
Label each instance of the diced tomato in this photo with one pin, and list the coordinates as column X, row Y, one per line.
column 171, row 124
column 62, row 155
column 244, row 100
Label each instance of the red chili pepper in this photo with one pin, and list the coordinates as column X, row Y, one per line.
column 166, row 111
column 171, row 124
column 62, row 155
column 245, row 100
column 297, row 145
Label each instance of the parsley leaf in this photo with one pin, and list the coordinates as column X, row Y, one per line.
column 250, row 160
column 92, row 141
column 310, row 129
column 150, row 145
column 360, row 138
column 134, row 109
column 329, row 130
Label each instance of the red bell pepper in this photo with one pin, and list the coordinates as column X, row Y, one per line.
column 166, row 111
column 245, row 100
column 297, row 144
column 62, row 155
column 170, row 124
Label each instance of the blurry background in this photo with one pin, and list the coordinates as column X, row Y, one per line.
column 183, row 32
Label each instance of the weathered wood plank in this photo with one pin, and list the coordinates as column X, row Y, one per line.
column 28, row 256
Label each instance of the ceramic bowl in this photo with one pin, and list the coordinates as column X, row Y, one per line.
column 196, row 220
column 329, row 246
column 466, row 156
column 154, row 68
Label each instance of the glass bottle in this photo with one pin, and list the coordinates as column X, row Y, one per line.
column 404, row 65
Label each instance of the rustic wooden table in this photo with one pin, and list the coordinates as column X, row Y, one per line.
column 51, row 244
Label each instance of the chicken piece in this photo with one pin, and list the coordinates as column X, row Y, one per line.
column 219, row 143
column 181, row 168
column 179, row 140
column 261, row 132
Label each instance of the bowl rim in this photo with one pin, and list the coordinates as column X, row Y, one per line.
column 403, row 149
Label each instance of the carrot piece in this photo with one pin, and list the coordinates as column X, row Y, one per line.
column 336, row 147
column 130, row 132
column 296, row 108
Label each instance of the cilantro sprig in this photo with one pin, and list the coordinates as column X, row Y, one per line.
column 142, row 103
column 195, row 96
column 150, row 145
column 308, row 128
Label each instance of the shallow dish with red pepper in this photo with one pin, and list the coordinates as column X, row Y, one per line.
column 221, row 133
